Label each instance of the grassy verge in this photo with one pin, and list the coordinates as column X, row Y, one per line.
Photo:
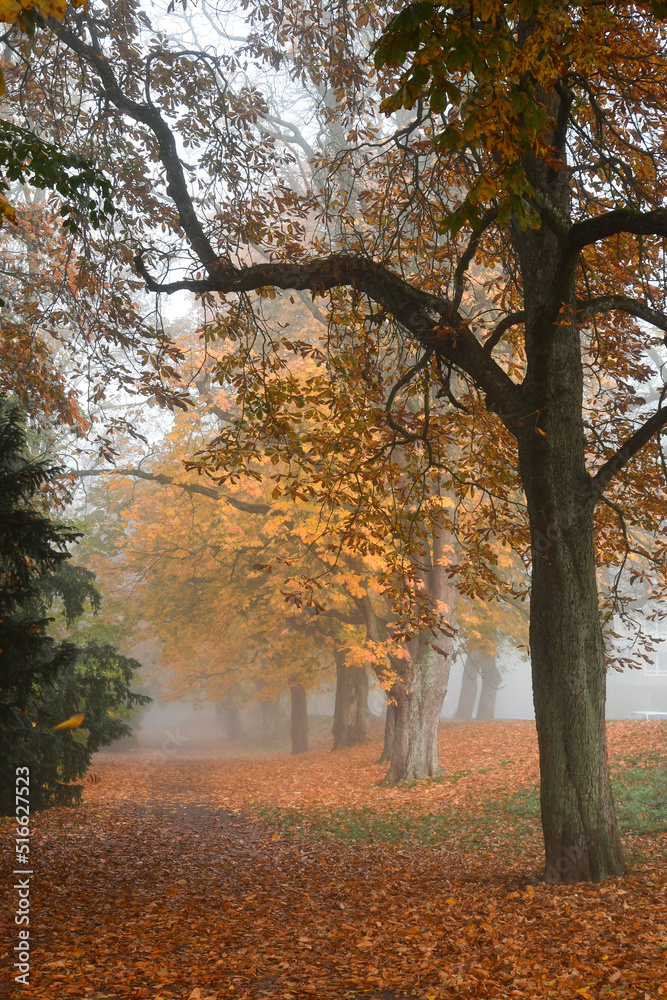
column 640, row 788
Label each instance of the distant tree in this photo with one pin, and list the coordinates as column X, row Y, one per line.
column 486, row 626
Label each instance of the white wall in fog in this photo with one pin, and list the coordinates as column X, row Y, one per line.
column 631, row 691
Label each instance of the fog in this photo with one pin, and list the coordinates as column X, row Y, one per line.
column 173, row 727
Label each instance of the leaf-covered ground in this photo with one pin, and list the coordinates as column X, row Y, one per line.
column 197, row 875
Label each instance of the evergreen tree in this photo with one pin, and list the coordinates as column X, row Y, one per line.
column 44, row 681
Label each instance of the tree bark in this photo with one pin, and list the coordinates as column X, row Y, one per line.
column 491, row 679
column 299, row 718
column 468, row 694
column 418, row 704
column 422, row 686
column 581, row 836
column 349, row 725
column 389, row 730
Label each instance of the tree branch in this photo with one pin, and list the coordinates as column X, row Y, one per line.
column 163, row 480
column 589, row 231
column 448, row 335
column 503, row 326
column 621, row 303
column 621, row 220
column 396, row 388
column 489, row 217
column 599, row 482
column 150, row 116
column 298, row 137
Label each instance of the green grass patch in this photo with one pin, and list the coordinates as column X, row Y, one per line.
column 640, row 790
column 361, row 825
column 398, row 828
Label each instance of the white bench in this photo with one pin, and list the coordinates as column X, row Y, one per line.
column 648, row 716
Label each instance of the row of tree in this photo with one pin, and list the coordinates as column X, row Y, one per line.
column 470, row 202
column 249, row 595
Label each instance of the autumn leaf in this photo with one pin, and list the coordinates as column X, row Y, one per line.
column 72, row 723
column 323, row 918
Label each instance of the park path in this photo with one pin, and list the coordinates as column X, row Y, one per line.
column 154, row 890
column 177, row 899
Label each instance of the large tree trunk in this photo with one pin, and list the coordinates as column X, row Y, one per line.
column 349, row 725
column 422, row 685
column 581, row 837
column 491, row 678
column 299, row 721
column 468, row 693
column 418, row 704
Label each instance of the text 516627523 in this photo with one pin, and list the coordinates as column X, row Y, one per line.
column 24, row 872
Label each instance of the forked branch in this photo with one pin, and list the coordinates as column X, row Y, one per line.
column 433, row 322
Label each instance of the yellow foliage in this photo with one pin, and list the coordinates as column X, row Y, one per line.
column 7, row 211
column 11, row 10
column 73, row 722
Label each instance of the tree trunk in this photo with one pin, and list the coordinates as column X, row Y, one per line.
column 418, row 706
column 349, row 725
column 270, row 715
column 231, row 716
column 468, row 695
column 299, row 718
column 422, row 686
column 491, row 679
column 389, row 730
column 581, row 836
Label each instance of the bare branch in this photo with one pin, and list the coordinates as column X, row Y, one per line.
column 489, row 217
column 396, row 388
column 508, row 321
column 297, row 136
column 163, row 480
